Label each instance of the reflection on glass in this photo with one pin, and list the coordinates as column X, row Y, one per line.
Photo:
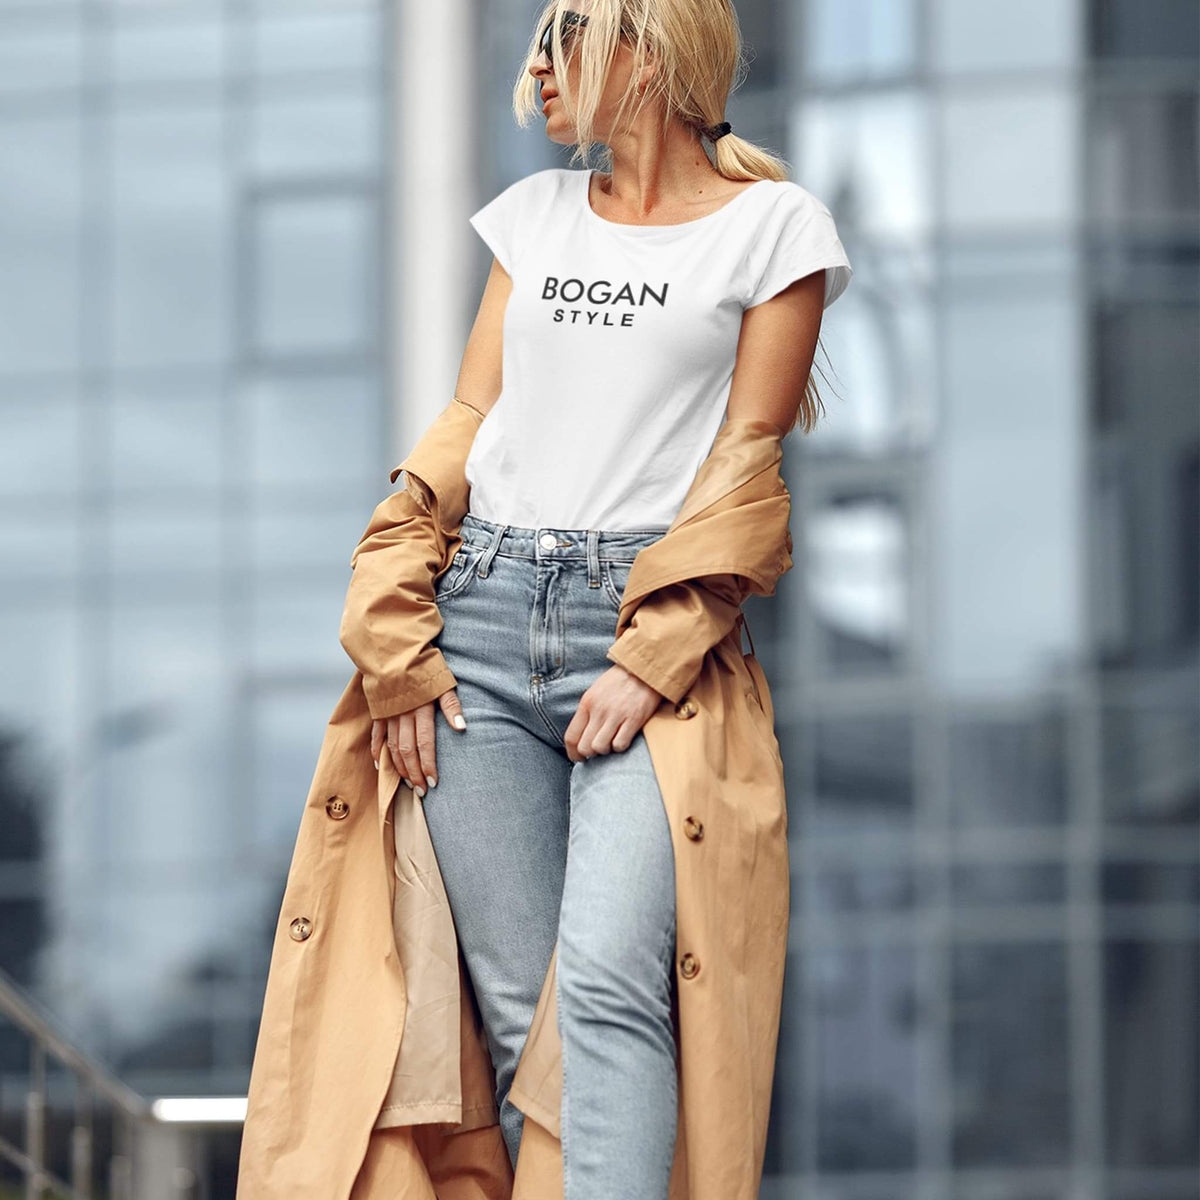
column 1152, row 1047
column 865, row 1013
column 1009, row 1054
column 1008, row 769
column 1151, row 774
column 863, row 774
column 857, row 568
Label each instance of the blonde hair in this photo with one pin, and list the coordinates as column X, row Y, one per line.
column 700, row 60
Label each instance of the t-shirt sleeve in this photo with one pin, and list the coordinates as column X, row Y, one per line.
column 800, row 237
column 501, row 222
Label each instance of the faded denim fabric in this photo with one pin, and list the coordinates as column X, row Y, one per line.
column 534, row 848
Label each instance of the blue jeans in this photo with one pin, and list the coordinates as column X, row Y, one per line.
column 534, row 848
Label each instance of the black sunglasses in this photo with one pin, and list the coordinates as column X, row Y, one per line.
column 568, row 26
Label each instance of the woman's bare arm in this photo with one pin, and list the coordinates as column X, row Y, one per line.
column 411, row 735
column 479, row 376
column 775, row 353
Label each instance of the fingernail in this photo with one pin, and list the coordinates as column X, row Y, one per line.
column 420, row 793
column 459, row 721
column 408, row 783
column 376, row 764
column 432, row 781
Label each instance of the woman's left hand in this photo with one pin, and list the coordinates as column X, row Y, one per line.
column 610, row 714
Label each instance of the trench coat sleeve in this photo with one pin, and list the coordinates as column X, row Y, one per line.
column 391, row 618
column 673, row 629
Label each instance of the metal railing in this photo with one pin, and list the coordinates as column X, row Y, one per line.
column 92, row 1082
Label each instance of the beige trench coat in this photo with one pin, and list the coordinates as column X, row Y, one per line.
column 371, row 1077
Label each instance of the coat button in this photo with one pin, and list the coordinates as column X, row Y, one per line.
column 301, row 928
column 687, row 707
column 693, row 828
column 337, row 808
column 689, row 965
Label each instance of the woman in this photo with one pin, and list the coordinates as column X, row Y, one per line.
column 625, row 315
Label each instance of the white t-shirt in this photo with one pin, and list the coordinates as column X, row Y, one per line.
column 619, row 345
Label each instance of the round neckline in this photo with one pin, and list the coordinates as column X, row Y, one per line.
column 642, row 230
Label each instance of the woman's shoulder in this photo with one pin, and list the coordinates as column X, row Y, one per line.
column 787, row 196
column 547, row 182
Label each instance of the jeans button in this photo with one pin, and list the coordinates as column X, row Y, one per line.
column 548, row 541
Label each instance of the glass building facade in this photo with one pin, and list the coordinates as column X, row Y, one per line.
column 984, row 662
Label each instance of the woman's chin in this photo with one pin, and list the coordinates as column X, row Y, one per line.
column 560, row 133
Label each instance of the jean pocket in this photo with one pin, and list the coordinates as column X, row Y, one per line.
column 614, row 575
column 460, row 574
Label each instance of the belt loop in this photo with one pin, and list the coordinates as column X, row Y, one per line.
column 493, row 546
column 593, row 557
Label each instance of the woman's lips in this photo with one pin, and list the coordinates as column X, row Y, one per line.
column 546, row 102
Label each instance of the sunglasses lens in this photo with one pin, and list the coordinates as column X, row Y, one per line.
column 569, row 26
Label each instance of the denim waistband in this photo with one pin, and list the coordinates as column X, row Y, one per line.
column 547, row 541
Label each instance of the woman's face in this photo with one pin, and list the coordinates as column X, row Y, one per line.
column 559, row 127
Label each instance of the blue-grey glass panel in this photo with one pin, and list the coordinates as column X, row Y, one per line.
column 40, row 56
column 858, row 567
column 173, row 533
column 288, row 726
column 314, row 262
column 863, row 774
column 1151, row 775
column 168, row 434
column 763, row 26
column 40, row 219
column 1150, row 882
column 1009, row 1056
column 316, row 6
column 182, row 1038
column 20, row 953
column 1020, row 34
column 151, row 585
column 315, row 134
column 167, row 736
column 871, row 886
column 1145, row 481
column 307, row 531
column 159, row 10
column 39, row 684
column 987, row 884
column 41, row 442
column 846, row 39
column 1144, row 29
column 1008, row 770
column 870, row 158
column 39, row 549
column 168, row 946
column 171, row 238
column 1152, row 1048
column 178, row 52
column 1007, row 487
column 315, row 431
column 1143, row 159
column 995, row 140
column 298, row 630
column 317, row 41
column 865, row 1010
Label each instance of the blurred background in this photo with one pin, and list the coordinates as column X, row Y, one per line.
column 236, row 277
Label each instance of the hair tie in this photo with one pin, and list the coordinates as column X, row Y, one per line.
column 717, row 131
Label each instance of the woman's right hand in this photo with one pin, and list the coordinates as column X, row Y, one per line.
column 411, row 741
